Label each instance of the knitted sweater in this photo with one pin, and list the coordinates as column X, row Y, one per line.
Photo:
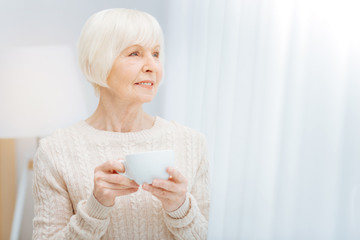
column 65, row 207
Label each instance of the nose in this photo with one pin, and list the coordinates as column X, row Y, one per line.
column 150, row 64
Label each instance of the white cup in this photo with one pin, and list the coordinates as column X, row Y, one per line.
column 144, row 167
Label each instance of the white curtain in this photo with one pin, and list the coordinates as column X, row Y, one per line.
column 275, row 87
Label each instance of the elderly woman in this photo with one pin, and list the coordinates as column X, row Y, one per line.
column 78, row 192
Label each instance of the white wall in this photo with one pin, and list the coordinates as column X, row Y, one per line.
column 40, row 22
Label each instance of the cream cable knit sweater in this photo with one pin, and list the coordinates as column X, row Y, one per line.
column 63, row 182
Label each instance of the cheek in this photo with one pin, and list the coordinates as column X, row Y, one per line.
column 159, row 77
column 124, row 76
column 159, row 74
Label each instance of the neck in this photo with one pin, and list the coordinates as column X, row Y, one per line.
column 120, row 117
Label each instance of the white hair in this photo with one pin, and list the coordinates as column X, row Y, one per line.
column 107, row 33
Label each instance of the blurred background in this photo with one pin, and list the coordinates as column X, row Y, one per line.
column 273, row 84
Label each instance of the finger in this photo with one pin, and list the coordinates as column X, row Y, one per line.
column 176, row 176
column 120, row 179
column 166, row 185
column 111, row 166
column 158, row 192
column 114, row 178
column 124, row 191
column 112, row 186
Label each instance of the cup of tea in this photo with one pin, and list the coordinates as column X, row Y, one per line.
column 144, row 167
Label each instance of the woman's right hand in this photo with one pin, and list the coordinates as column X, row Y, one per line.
column 108, row 184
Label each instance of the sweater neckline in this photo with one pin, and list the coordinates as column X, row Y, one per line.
column 85, row 128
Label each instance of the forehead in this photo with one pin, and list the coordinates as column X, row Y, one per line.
column 142, row 47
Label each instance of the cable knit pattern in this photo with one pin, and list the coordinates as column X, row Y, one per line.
column 65, row 207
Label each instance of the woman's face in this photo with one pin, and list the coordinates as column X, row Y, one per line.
column 136, row 74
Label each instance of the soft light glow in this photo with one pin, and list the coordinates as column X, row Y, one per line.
column 39, row 91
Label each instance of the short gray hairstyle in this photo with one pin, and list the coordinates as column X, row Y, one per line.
column 107, row 33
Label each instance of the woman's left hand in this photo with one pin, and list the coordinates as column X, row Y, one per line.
column 171, row 192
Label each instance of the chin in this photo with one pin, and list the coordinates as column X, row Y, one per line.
column 145, row 98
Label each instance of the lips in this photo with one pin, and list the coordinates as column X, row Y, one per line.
column 146, row 81
column 146, row 84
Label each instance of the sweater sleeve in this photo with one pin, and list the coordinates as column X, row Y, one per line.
column 192, row 222
column 54, row 214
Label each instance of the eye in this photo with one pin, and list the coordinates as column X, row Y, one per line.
column 156, row 54
column 134, row 54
